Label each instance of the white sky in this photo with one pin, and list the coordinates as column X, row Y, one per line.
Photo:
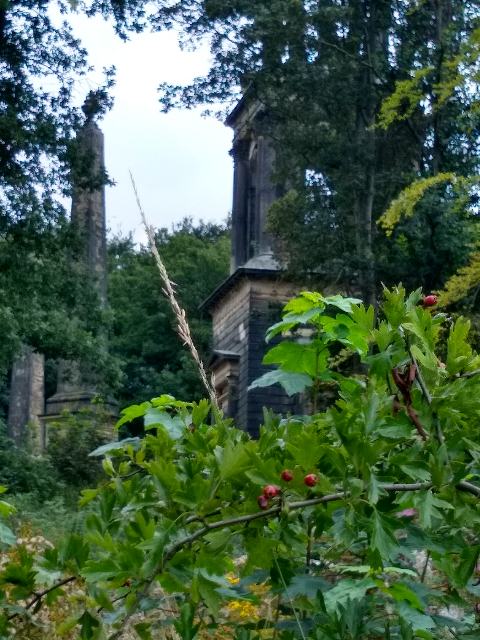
column 179, row 161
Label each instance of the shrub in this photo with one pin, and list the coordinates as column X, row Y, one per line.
column 382, row 543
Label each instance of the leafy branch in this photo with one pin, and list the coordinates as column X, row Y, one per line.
column 39, row 596
column 246, row 519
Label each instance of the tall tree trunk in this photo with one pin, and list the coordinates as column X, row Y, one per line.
column 366, row 150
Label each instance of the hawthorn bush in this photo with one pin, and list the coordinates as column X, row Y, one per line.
column 384, row 545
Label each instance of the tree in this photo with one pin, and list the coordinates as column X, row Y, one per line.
column 45, row 302
column 374, row 536
column 144, row 336
column 327, row 75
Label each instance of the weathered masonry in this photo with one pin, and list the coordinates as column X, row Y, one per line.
column 251, row 299
column 75, row 389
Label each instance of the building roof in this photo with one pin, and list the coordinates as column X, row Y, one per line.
column 251, row 269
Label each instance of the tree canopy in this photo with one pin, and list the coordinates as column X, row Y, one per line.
column 143, row 336
column 46, row 300
column 361, row 99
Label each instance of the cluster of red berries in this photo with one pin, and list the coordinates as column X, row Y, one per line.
column 271, row 491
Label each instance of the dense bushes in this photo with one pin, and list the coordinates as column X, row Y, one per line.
column 374, row 533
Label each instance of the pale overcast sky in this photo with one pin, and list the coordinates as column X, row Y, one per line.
column 180, row 161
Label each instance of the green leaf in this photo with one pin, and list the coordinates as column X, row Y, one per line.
column 143, row 630
column 6, row 535
column 101, row 570
column 341, row 302
column 136, row 443
column 307, row 585
column 291, row 320
column 401, row 592
column 466, row 566
column 209, row 594
column 459, row 351
column 133, row 412
column 291, row 382
column 418, row 620
column 299, row 358
column 426, row 504
column 174, row 426
column 233, row 460
column 348, row 589
column 184, row 623
column 88, row 624
column 374, row 490
column 69, row 624
column 88, row 496
column 382, row 536
column 306, row 450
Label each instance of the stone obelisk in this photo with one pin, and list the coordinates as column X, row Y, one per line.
column 75, row 390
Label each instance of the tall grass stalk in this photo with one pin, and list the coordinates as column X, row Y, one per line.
column 183, row 328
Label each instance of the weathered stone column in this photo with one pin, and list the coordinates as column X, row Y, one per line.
column 27, row 399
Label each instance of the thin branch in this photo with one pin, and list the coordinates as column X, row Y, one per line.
column 426, row 394
column 420, row 379
column 469, row 374
column 469, row 488
column 39, row 596
column 425, row 567
column 183, row 328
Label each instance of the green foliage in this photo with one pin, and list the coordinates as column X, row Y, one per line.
column 361, row 100
column 22, row 473
column 409, row 198
column 144, row 337
column 46, row 303
column 71, row 441
column 391, row 527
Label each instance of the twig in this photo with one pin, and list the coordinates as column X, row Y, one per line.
column 420, row 379
column 39, row 596
column 426, row 394
column 469, row 374
column 425, row 567
column 183, row 328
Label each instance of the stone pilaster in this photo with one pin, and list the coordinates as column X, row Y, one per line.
column 241, row 187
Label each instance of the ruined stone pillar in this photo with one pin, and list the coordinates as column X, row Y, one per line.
column 27, row 399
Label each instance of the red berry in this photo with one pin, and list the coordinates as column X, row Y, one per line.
column 127, row 583
column 287, row 475
column 311, row 480
column 477, row 607
column 430, row 301
column 262, row 502
column 270, row 491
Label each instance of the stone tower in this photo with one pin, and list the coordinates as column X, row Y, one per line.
column 250, row 300
column 75, row 390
